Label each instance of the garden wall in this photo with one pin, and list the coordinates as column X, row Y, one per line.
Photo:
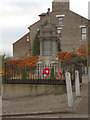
column 10, row 91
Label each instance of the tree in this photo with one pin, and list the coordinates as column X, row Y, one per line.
column 5, row 58
column 36, row 45
column 58, row 45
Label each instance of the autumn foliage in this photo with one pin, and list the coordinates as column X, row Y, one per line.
column 65, row 56
column 30, row 61
column 18, row 65
column 82, row 51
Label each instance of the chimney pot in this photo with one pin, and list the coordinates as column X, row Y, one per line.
column 48, row 10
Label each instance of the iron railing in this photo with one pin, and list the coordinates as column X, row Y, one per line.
column 25, row 74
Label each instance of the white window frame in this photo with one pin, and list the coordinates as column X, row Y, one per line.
column 59, row 28
column 82, row 34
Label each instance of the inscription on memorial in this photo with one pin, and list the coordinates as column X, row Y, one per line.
column 47, row 47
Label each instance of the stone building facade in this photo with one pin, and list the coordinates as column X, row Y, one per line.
column 71, row 27
column 21, row 48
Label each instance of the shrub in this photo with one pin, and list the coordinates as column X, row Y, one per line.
column 36, row 45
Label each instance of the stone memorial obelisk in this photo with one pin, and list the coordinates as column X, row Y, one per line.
column 48, row 44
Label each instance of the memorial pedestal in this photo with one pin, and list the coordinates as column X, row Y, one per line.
column 48, row 48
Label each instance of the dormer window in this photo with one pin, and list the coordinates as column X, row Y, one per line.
column 27, row 38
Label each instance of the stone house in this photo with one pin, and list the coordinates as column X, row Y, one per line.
column 21, row 48
column 71, row 27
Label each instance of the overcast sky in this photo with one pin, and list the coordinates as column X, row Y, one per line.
column 17, row 15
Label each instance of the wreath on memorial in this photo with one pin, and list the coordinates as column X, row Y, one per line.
column 46, row 72
column 60, row 75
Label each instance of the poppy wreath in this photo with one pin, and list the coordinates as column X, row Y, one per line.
column 46, row 71
column 60, row 72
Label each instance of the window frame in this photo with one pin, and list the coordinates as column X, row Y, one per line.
column 60, row 34
column 60, row 20
column 83, row 33
column 27, row 54
column 27, row 38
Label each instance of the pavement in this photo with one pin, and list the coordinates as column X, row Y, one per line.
column 48, row 106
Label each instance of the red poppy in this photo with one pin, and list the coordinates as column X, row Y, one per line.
column 46, row 71
column 60, row 72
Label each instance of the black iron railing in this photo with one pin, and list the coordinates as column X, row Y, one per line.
column 40, row 74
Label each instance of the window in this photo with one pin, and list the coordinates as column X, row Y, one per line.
column 60, row 20
column 27, row 38
column 59, row 31
column 27, row 54
column 37, row 29
column 83, row 33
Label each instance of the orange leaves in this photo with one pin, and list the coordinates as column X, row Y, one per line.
column 82, row 51
column 17, row 65
column 65, row 56
column 30, row 61
column 77, row 53
column 3, row 70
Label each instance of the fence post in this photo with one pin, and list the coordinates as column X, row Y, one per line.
column 77, row 83
column 69, row 89
column 89, row 74
column 38, row 71
column 79, row 68
column 75, row 68
column 80, row 72
column 85, row 69
column 5, row 77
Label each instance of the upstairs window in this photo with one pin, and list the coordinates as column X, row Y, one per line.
column 27, row 38
column 60, row 20
column 27, row 54
column 59, row 31
column 84, row 33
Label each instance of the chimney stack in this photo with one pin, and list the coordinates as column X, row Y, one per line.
column 60, row 5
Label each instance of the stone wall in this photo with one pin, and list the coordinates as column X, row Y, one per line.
column 21, row 47
column 10, row 91
column 22, row 90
